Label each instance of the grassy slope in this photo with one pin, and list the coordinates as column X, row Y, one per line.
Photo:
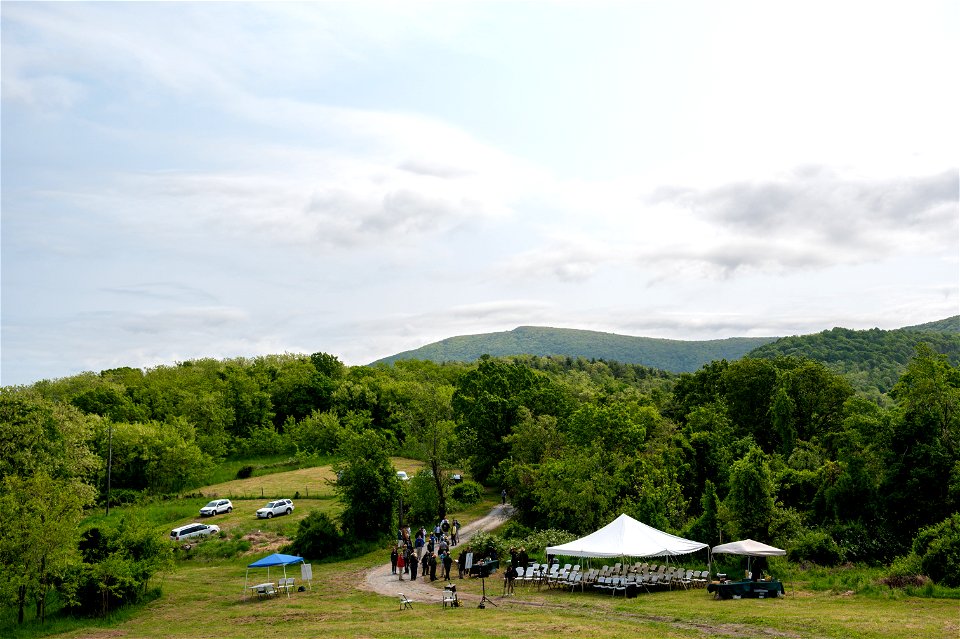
column 205, row 598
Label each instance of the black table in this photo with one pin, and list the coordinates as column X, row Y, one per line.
column 484, row 568
column 746, row 589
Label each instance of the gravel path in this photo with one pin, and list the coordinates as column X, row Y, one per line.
column 380, row 580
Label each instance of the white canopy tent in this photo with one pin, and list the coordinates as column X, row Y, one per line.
column 747, row 548
column 627, row 537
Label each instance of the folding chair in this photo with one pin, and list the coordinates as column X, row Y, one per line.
column 405, row 603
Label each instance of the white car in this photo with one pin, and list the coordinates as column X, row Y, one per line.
column 277, row 507
column 193, row 530
column 216, row 507
column 402, row 475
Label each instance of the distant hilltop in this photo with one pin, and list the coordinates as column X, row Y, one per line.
column 679, row 356
column 665, row 354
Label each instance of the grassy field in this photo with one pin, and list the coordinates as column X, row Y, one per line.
column 204, row 596
column 314, row 482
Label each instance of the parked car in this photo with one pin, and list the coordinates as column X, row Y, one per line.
column 402, row 475
column 193, row 530
column 216, row 507
column 277, row 507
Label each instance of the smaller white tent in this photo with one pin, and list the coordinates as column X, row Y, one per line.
column 748, row 548
column 627, row 537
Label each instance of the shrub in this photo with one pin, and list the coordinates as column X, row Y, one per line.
column 904, row 571
column 317, row 536
column 487, row 545
column 467, row 492
column 245, row 472
column 815, row 546
column 938, row 548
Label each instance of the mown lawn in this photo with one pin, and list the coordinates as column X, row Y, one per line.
column 207, row 600
column 204, row 596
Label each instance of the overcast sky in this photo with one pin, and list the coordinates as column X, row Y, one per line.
column 223, row 180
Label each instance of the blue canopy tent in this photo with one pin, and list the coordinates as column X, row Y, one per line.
column 276, row 559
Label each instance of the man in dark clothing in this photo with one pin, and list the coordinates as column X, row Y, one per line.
column 413, row 567
column 461, row 563
column 447, row 563
column 433, row 567
column 393, row 561
column 425, row 565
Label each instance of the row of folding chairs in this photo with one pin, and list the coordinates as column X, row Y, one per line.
column 615, row 578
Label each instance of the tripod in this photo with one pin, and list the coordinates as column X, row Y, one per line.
column 483, row 584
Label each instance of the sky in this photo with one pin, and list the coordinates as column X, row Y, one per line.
column 190, row 180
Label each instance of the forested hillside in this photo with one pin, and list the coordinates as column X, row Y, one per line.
column 675, row 356
column 873, row 359
column 780, row 449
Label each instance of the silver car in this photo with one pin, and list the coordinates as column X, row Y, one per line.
column 276, row 507
column 193, row 530
column 216, row 507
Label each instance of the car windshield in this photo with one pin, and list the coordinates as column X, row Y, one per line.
column 271, row 505
column 211, row 504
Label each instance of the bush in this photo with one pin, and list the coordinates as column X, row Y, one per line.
column 467, row 492
column 317, row 537
column 487, row 545
column 245, row 472
column 815, row 546
column 938, row 548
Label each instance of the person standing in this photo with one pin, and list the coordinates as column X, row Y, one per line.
column 503, row 496
column 401, row 562
column 447, row 563
column 418, row 546
column 425, row 565
column 393, row 561
column 433, row 567
column 413, row 566
column 461, row 563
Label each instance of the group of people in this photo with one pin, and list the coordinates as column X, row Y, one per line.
column 519, row 560
column 427, row 552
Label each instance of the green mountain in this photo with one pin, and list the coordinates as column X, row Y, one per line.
column 872, row 359
column 666, row 354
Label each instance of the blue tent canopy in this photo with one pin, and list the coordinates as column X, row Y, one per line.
column 276, row 559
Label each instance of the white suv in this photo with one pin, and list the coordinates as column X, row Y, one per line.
column 278, row 507
column 193, row 530
column 216, row 507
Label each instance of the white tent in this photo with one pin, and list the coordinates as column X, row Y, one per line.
column 748, row 548
column 627, row 537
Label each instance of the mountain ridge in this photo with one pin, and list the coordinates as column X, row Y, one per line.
column 676, row 356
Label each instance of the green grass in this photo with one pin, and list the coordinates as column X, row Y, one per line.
column 207, row 599
column 203, row 596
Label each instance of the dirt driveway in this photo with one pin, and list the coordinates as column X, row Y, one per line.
column 381, row 581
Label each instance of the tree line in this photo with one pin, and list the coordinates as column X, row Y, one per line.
column 782, row 449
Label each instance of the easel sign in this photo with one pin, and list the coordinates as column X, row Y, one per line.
column 306, row 574
column 469, row 562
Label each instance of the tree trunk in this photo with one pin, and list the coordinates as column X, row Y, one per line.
column 21, row 602
column 438, row 481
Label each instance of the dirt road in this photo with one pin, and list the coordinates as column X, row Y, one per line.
column 381, row 581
